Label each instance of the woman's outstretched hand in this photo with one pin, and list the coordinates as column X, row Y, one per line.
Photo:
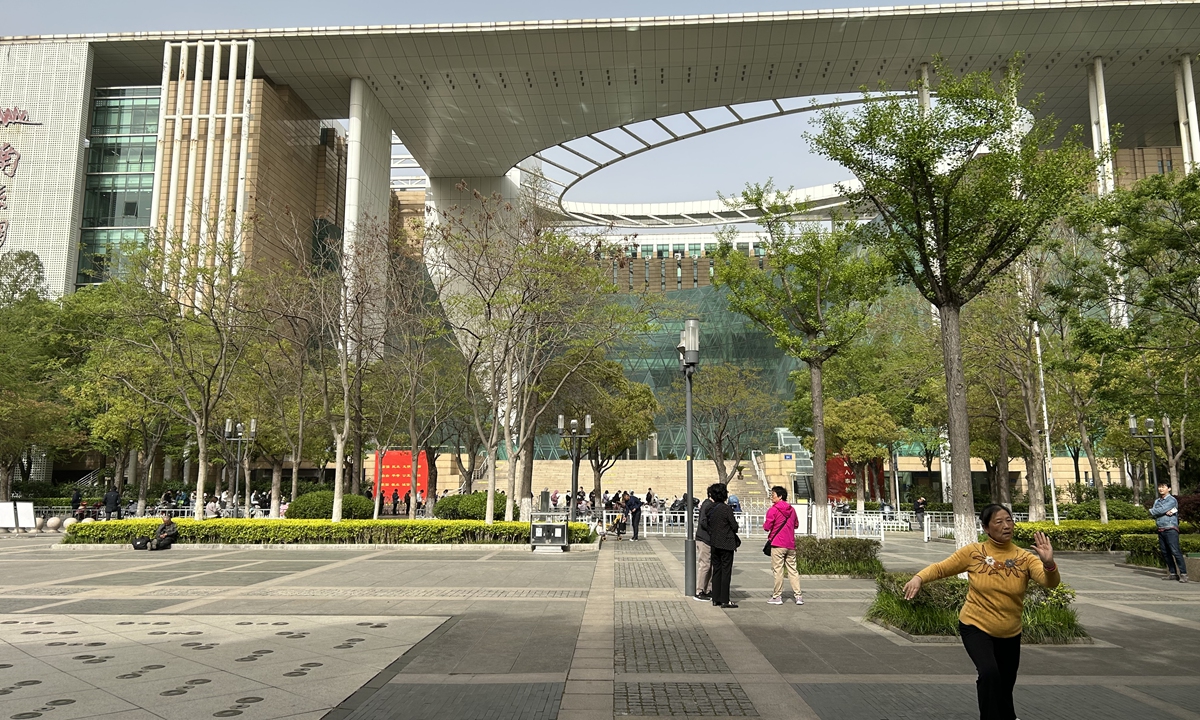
column 1043, row 548
column 912, row 587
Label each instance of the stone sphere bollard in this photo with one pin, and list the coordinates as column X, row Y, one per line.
column 54, row 523
column 68, row 522
column 87, row 520
column 40, row 523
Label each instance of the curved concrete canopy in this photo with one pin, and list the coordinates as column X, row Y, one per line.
column 473, row 100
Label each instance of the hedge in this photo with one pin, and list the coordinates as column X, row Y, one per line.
column 1083, row 534
column 1144, row 550
column 319, row 506
column 316, row 532
column 1047, row 616
column 838, row 556
column 471, row 507
column 1117, row 510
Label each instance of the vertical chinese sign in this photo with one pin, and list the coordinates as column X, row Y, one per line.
column 10, row 164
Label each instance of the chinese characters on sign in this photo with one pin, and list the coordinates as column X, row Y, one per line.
column 10, row 159
column 15, row 116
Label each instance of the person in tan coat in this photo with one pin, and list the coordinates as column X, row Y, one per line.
column 990, row 621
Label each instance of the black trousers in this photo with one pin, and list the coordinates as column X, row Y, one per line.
column 722, row 573
column 635, row 518
column 996, row 660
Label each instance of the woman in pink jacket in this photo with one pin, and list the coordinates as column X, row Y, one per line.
column 781, row 525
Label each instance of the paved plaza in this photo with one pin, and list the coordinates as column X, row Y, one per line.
column 497, row 633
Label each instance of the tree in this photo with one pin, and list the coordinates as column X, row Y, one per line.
column 732, row 413
column 962, row 188
column 811, row 294
column 861, row 430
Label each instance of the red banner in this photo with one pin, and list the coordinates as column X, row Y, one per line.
column 397, row 472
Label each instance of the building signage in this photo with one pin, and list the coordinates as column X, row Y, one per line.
column 10, row 162
column 15, row 116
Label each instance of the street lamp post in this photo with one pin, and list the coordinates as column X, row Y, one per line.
column 236, row 433
column 575, row 449
column 1133, row 426
column 689, row 360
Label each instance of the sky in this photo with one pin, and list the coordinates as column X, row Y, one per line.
column 690, row 170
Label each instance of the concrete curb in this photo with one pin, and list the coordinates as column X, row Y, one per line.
column 364, row 547
column 955, row 640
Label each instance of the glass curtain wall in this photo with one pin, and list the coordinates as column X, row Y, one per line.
column 120, row 177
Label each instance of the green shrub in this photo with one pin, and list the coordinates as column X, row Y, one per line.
column 1047, row 616
column 1189, row 509
column 471, row 507
column 319, row 506
column 246, row 531
column 838, row 556
column 1117, row 510
column 1082, row 534
column 1144, row 550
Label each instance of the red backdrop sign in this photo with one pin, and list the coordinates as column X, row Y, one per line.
column 397, row 472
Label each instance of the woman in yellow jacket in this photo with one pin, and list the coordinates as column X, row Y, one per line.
column 990, row 621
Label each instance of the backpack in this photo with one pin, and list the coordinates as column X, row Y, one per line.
column 140, row 543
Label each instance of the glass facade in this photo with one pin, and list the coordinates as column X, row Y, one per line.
column 120, row 176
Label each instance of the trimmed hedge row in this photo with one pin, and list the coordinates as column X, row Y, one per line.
column 1087, row 535
column 317, row 532
column 319, row 506
column 472, row 506
column 1047, row 616
column 1117, row 510
column 1144, row 550
column 838, row 556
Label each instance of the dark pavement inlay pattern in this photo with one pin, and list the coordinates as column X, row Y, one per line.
column 642, row 573
column 663, row 637
column 838, row 701
column 501, row 701
column 681, row 698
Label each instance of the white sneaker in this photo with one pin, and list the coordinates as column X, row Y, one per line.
column 799, row 600
column 776, row 600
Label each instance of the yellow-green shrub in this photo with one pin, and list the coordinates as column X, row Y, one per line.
column 1083, row 534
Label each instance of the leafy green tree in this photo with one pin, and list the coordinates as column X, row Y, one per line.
column 812, row 294
column 732, row 413
column 861, row 430
column 962, row 188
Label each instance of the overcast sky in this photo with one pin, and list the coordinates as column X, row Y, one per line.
column 691, row 170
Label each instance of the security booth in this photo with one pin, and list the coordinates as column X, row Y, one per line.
column 548, row 530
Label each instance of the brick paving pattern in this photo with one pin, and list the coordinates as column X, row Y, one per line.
column 633, row 548
column 662, row 637
column 715, row 699
column 642, row 573
column 525, row 701
column 837, row 701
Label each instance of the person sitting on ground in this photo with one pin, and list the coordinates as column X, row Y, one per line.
column 166, row 534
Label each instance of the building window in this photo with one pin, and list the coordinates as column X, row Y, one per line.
column 663, row 251
column 694, row 250
column 120, row 178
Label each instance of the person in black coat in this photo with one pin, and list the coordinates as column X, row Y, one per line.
column 76, row 499
column 112, row 504
column 723, row 539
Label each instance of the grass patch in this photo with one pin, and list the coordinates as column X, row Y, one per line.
column 318, row 532
column 1047, row 617
column 838, row 556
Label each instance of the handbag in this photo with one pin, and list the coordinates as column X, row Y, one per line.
column 767, row 547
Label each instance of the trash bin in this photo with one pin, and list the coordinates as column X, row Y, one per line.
column 548, row 535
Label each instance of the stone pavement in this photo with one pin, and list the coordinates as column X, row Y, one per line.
column 381, row 632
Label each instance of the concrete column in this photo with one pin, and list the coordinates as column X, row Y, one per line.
column 1189, row 90
column 1185, row 136
column 1100, row 128
column 368, row 161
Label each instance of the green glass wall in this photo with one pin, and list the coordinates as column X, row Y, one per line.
column 120, row 176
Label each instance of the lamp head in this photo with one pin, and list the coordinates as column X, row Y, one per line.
column 574, row 427
column 1132, row 425
column 253, row 428
column 562, row 428
column 1150, row 425
column 587, row 424
column 228, row 427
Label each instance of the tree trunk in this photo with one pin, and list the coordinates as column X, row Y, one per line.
column 993, row 487
column 490, row 511
column 860, row 482
column 1095, row 465
column 958, row 423
column 119, row 460
column 246, row 474
column 6, row 484
column 431, row 456
column 525, row 492
column 201, row 471
column 1005, row 493
column 339, row 474
column 465, row 472
column 276, row 485
column 1035, row 479
column 820, row 487
column 413, row 450
column 1172, row 456
column 141, row 480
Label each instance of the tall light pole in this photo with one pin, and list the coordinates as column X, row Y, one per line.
column 575, row 449
column 236, row 434
column 1133, row 426
column 689, row 360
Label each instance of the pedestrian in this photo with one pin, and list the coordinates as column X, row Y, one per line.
column 735, row 503
column 1165, row 512
column 990, row 621
column 407, row 500
column 76, row 499
column 650, row 497
column 781, row 524
column 703, row 550
column 395, row 501
column 112, row 505
column 724, row 540
column 619, row 511
column 919, row 507
column 633, row 506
